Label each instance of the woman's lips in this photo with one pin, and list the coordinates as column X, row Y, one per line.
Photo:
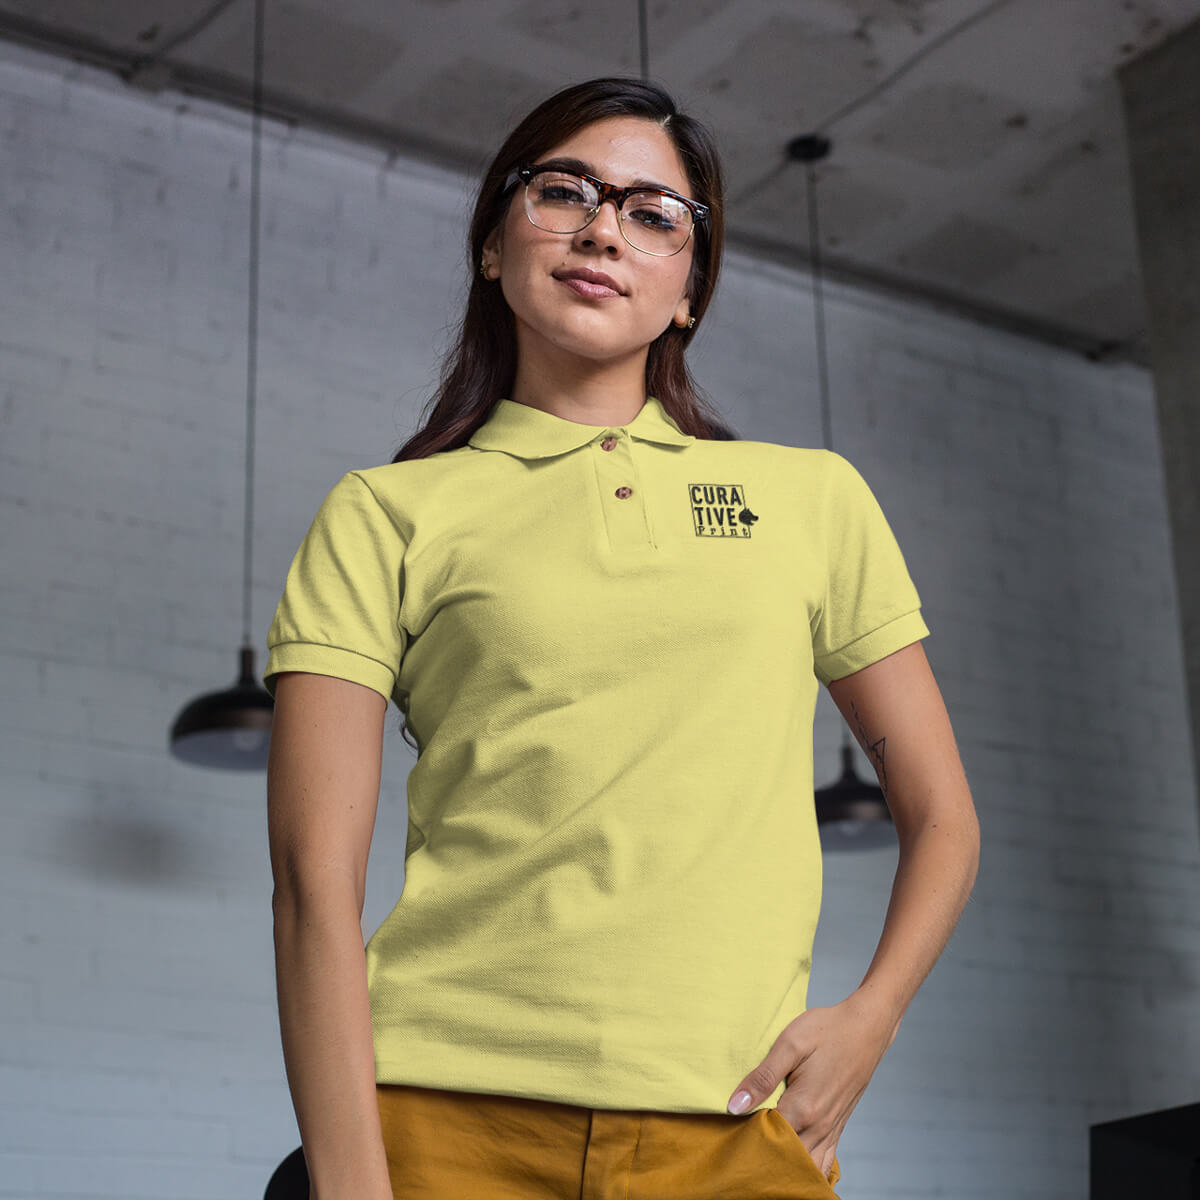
column 593, row 285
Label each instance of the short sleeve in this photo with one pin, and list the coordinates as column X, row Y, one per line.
column 340, row 610
column 870, row 608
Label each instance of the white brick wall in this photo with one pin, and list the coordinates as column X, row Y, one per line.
column 138, row 1044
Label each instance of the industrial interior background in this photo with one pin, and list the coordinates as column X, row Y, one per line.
column 1011, row 234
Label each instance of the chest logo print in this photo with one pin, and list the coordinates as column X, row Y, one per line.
column 720, row 510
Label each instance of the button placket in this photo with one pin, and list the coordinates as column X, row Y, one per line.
column 620, row 495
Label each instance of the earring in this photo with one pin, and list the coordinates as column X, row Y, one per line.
column 691, row 322
column 483, row 269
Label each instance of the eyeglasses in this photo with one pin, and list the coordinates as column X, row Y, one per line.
column 651, row 220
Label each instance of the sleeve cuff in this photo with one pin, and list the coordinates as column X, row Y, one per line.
column 328, row 660
column 871, row 647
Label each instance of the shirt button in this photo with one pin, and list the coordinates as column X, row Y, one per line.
column 623, row 493
column 608, row 443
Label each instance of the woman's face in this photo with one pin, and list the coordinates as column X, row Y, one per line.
column 557, row 315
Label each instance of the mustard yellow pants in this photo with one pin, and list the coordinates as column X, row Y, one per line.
column 445, row 1145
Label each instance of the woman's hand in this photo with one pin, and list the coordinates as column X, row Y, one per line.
column 827, row 1056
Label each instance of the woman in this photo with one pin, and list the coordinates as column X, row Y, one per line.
column 604, row 618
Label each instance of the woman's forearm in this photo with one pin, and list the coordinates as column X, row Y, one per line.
column 895, row 710
column 933, row 880
column 324, row 1018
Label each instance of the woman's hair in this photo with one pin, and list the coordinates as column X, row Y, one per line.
column 481, row 367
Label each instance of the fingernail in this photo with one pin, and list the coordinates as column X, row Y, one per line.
column 740, row 1102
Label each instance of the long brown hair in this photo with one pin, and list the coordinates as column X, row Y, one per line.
column 481, row 367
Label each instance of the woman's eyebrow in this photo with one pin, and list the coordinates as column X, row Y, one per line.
column 578, row 167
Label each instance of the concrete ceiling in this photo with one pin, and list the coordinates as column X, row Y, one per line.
column 978, row 147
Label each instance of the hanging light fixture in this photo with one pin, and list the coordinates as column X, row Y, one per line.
column 232, row 728
column 852, row 814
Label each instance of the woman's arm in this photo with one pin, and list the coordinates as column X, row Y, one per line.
column 322, row 796
column 828, row 1055
column 895, row 710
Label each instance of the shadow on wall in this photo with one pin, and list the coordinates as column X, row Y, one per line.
column 124, row 838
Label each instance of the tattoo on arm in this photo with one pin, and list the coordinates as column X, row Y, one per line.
column 875, row 749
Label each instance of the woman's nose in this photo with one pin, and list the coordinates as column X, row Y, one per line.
column 604, row 229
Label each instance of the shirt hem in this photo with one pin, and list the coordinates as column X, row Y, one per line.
column 871, row 647
column 559, row 1088
column 334, row 661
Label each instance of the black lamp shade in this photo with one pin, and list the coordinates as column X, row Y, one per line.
column 230, row 729
column 290, row 1180
column 851, row 813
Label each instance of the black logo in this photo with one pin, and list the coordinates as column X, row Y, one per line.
column 720, row 510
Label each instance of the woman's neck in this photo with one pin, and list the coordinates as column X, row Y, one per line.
column 589, row 393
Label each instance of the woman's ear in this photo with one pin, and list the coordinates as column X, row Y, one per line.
column 683, row 311
column 489, row 266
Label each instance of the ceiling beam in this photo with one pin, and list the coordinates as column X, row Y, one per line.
column 158, row 74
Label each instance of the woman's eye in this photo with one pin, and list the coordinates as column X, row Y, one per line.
column 653, row 218
column 561, row 193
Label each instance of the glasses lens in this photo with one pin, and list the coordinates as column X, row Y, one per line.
column 559, row 202
column 656, row 223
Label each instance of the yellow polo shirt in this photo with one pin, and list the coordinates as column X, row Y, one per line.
column 608, row 642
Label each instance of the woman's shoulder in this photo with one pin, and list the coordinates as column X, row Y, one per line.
column 810, row 459
column 392, row 492
column 399, row 477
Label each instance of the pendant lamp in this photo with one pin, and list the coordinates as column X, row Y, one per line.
column 852, row 814
column 232, row 728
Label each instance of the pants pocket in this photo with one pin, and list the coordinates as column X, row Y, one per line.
column 790, row 1136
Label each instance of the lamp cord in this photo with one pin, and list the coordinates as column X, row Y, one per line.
column 818, row 292
column 814, row 251
column 252, row 314
column 644, row 40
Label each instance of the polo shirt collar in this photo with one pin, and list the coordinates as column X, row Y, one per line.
column 529, row 432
